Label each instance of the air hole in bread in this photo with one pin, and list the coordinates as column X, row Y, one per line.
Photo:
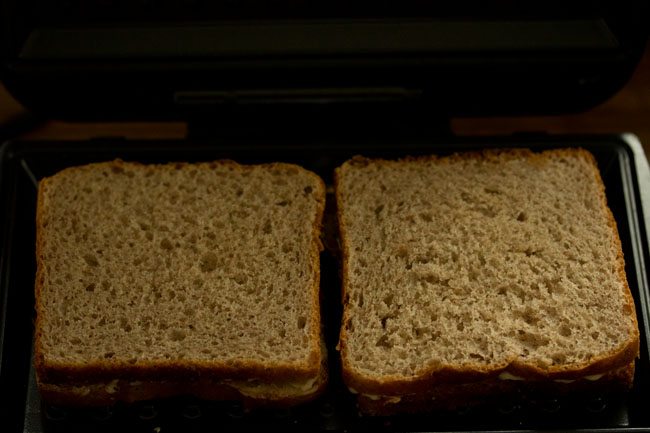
column 384, row 342
column 559, row 358
column 532, row 340
column 565, row 331
column 476, row 356
column 302, row 322
column 208, row 262
column 360, row 299
column 91, row 260
column 177, row 335
column 90, row 287
column 555, row 287
column 125, row 325
column 530, row 316
column 145, row 324
column 419, row 332
column 531, row 251
column 267, row 228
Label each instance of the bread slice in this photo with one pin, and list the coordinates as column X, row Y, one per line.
column 162, row 280
column 501, row 267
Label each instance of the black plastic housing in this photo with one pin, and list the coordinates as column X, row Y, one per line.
column 174, row 59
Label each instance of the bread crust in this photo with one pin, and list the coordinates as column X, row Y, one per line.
column 435, row 375
column 56, row 379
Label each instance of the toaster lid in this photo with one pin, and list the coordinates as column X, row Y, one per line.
column 176, row 59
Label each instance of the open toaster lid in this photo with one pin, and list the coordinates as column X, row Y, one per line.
column 175, row 59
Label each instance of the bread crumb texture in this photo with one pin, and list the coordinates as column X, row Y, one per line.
column 179, row 261
column 479, row 260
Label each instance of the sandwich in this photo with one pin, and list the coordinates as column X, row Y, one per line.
column 197, row 279
column 480, row 277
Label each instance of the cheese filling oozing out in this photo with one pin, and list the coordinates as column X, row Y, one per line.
column 502, row 376
column 250, row 388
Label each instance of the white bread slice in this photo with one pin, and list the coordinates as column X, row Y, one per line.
column 463, row 268
column 159, row 280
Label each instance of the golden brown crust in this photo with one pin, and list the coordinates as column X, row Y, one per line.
column 435, row 375
column 62, row 373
